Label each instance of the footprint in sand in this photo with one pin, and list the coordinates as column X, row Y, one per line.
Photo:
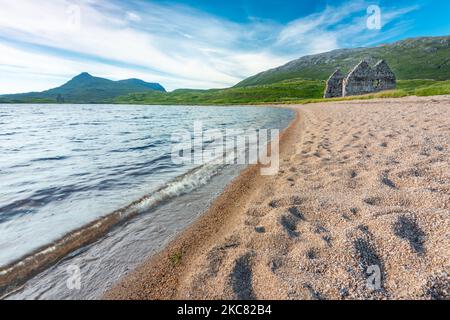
column 407, row 228
column 328, row 240
column 312, row 254
column 286, row 201
column 275, row 204
column 275, row 264
column 295, row 211
column 373, row 201
column 437, row 287
column 388, row 182
column 216, row 256
column 368, row 258
column 313, row 293
column 240, row 279
column 260, row 229
column 289, row 223
column 366, row 254
column 257, row 212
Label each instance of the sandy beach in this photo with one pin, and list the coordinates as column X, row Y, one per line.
column 363, row 184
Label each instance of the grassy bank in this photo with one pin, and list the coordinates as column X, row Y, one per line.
column 285, row 91
column 288, row 91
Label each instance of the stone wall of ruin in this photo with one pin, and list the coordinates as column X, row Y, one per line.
column 334, row 85
column 359, row 81
column 384, row 77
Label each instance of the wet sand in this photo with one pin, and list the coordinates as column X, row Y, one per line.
column 364, row 186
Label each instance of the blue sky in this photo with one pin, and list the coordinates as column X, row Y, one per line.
column 190, row 43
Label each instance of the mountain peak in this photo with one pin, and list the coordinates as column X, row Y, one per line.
column 83, row 78
column 83, row 75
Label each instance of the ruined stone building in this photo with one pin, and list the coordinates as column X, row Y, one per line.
column 334, row 85
column 362, row 79
column 384, row 77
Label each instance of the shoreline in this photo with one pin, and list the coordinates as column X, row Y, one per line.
column 163, row 277
column 250, row 244
column 15, row 275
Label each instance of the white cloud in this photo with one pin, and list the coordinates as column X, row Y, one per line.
column 171, row 44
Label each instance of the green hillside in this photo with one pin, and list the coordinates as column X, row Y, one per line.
column 290, row 90
column 418, row 58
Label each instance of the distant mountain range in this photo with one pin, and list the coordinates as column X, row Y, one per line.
column 85, row 88
column 416, row 58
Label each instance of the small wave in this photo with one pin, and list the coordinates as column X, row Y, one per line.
column 84, row 149
column 153, row 144
column 95, row 123
column 139, row 148
column 7, row 134
column 150, row 145
column 59, row 158
column 184, row 184
column 141, row 118
column 38, row 199
column 19, row 166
